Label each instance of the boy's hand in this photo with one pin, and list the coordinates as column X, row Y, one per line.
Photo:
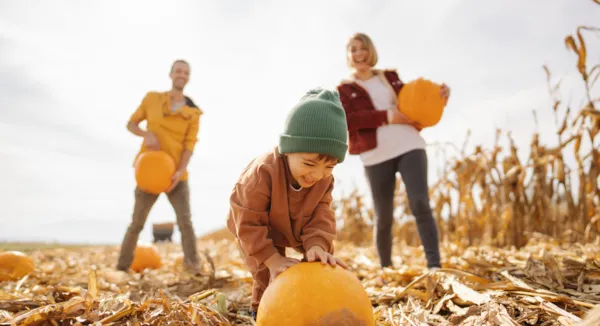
column 151, row 141
column 277, row 264
column 316, row 252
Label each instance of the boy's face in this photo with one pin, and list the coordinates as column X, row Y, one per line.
column 308, row 168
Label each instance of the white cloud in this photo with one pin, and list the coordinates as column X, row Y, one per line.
column 72, row 73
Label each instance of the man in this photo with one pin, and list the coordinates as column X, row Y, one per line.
column 172, row 126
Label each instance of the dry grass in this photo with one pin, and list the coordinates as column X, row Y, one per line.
column 543, row 283
column 32, row 246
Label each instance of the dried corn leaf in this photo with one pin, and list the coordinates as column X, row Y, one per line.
column 592, row 317
column 469, row 295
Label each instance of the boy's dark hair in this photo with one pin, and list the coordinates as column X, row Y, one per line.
column 327, row 158
column 179, row 61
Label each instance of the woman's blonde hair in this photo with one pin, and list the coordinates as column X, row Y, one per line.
column 366, row 40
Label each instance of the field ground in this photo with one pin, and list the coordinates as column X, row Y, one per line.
column 32, row 246
column 544, row 283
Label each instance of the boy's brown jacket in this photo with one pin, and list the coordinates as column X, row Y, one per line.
column 259, row 214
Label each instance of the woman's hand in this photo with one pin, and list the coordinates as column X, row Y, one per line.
column 397, row 117
column 445, row 91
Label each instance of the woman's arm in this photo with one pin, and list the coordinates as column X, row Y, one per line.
column 365, row 119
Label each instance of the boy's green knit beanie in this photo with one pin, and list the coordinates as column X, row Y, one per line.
column 317, row 124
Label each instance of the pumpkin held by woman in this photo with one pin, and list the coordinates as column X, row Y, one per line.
column 153, row 171
column 315, row 294
column 420, row 100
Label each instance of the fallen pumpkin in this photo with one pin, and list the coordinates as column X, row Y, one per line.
column 315, row 294
column 420, row 100
column 153, row 171
column 14, row 265
column 178, row 261
column 145, row 256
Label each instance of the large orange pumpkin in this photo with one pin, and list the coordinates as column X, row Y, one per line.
column 315, row 294
column 153, row 171
column 14, row 265
column 145, row 256
column 420, row 100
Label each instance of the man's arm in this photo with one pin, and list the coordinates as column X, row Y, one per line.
column 185, row 159
column 135, row 129
column 138, row 116
column 191, row 138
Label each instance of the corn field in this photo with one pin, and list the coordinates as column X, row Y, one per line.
column 491, row 197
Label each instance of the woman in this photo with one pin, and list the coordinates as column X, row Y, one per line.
column 387, row 142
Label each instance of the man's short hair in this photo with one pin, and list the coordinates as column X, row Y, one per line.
column 179, row 61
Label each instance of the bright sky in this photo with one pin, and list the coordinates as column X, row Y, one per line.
column 72, row 72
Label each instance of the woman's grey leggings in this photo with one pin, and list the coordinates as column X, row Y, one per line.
column 382, row 179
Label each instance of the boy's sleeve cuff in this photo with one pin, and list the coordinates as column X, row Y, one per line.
column 317, row 241
column 264, row 254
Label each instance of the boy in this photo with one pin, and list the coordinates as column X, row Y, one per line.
column 283, row 198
